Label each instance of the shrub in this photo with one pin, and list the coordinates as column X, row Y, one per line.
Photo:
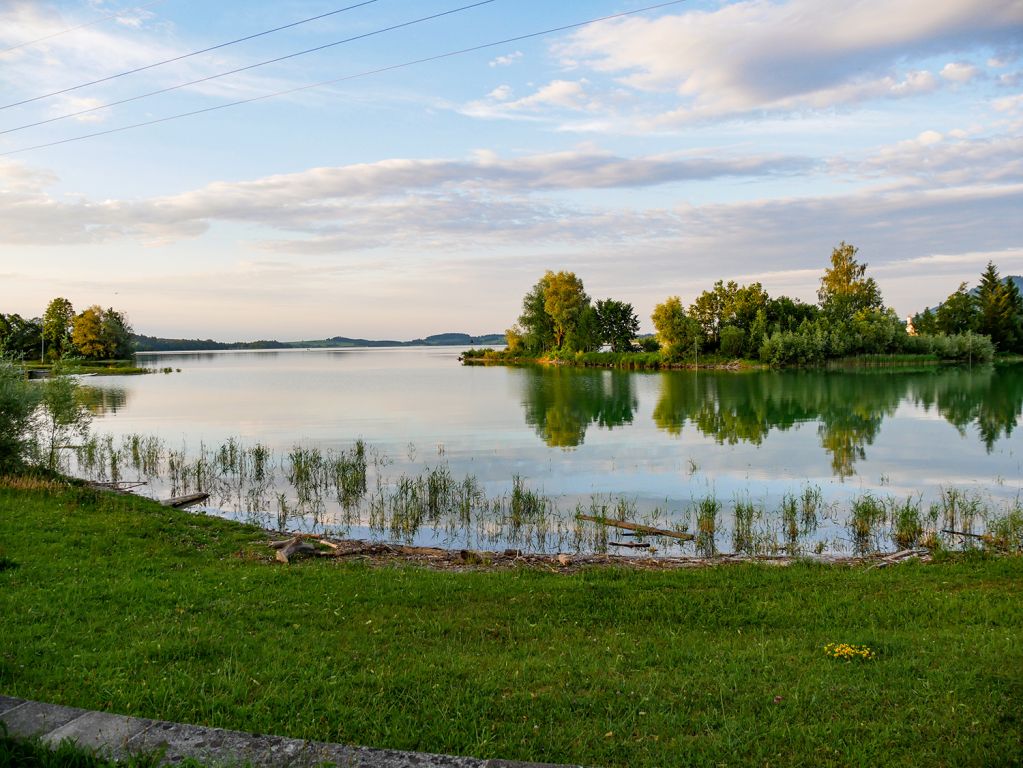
column 18, row 401
column 731, row 341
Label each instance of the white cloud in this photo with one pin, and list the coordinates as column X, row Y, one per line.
column 759, row 55
column 959, row 72
column 506, row 60
column 568, row 95
column 954, row 160
column 95, row 52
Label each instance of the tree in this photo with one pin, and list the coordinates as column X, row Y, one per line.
column 564, row 302
column 999, row 312
column 678, row 332
column 18, row 401
column 87, row 333
column 709, row 310
column 515, row 340
column 959, row 313
column 585, row 336
column 64, row 418
column 57, row 321
column 19, row 337
column 115, row 334
column 618, row 324
column 926, row 323
column 785, row 314
column 845, row 289
column 537, row 326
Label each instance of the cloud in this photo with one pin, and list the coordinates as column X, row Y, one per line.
column 367, row 205
column 506, row 60
column 570, row 95
column 937, row 160
column 959, row 72
column 95, row 52
column 758, row 55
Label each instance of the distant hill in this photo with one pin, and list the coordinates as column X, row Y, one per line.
column 144, row 343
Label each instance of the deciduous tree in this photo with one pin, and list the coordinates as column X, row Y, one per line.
column 537, row 326
column 564, row 302
column 677, row 331
column 618, row 324
column 845, row 288
column 87, row 332
column 57, row 321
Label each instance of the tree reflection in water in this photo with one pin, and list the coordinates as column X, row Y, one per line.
column 849, row 406
column 561, row 403
column 102, row 400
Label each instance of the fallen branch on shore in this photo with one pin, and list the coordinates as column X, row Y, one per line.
column 647, row 529
column 913, row 553
column 188, row 500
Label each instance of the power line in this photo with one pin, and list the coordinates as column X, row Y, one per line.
column 188, row 55
column 365, row 73
column 245, row 68
column 100, row 20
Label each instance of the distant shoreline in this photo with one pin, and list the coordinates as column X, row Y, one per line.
column 148, row 344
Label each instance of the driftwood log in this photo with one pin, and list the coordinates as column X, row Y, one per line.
column 188, row 500
column 647, row 529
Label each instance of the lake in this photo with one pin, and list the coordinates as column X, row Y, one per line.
column 652, row 447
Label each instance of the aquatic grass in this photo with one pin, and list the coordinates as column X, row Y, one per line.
column 790, row 523
column 867, row 513
column 907, row 528
column 329, row 491
column 707, row 510
column 811, row 505
column 1004, row 529
column 959, row 509
column 745, row 515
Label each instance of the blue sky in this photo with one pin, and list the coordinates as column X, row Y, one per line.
column 651, row 154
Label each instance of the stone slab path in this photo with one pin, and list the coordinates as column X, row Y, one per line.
column 118, row 736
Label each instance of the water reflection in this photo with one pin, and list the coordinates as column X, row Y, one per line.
column 848, row 406
column 103, row 400
column 990, row 398
column 561, row 403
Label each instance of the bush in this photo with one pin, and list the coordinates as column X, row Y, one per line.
column 807, row 346
column 731, row 341
column 18, row 402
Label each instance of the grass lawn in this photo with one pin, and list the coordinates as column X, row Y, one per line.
column 119, row 604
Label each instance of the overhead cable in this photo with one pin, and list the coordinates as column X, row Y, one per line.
column 206, row 79
column 366, row 73
column 188, row 55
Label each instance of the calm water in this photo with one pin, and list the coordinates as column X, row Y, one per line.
column 661, row 441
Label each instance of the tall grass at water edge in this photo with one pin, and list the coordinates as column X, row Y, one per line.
column 336, row 490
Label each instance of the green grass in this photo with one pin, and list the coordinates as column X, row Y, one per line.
column 32, row 753
column 118, row 604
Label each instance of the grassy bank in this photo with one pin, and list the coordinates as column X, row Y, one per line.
column 115, row 603
column 633, row 361
column 656, row 361
column 95, row 367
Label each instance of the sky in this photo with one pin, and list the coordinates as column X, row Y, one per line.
column 651, row 154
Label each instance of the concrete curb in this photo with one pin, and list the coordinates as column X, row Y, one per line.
column 118, row 736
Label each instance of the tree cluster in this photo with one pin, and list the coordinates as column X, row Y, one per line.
column 994, row 308
column 732, row 321
column 558, row 316
column 94, row 334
